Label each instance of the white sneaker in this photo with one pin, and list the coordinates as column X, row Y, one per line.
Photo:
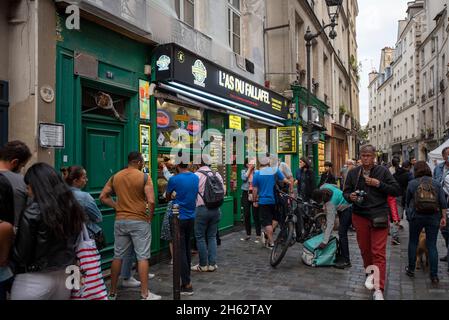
column 151, row 275
column 130, row 283
column 151, row 296
column 212, row 268
column 378, row 295
column 369, row 283
column 262, row 239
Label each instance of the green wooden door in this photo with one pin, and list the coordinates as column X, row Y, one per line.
column 102, row 154
column 102, row 157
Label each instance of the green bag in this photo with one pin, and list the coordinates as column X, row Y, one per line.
column 316, row 257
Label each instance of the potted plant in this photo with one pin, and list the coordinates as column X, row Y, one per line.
column 423, row 133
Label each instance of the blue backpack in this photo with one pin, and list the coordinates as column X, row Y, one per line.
column 316, row 257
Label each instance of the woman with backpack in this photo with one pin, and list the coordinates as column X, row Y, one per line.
column 426, row 209
column 46, row 238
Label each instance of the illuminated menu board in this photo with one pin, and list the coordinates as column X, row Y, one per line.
column 321, row 156
column 286, row 139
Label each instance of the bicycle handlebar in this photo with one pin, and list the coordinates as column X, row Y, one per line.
column 299, row 200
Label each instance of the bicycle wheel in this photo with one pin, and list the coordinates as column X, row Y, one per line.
column 320, row 223
column 282, row 243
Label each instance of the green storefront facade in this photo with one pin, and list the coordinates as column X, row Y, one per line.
column 101, row 89
column 300, row 101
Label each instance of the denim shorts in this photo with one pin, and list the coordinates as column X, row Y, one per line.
column 137, row 233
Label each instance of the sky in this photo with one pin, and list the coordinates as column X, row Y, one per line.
column 377, row 26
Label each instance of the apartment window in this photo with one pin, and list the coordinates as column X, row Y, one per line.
column 312, row 4
column 423, row 57
column 234, row 27
column 433, row 44
column 186, row 11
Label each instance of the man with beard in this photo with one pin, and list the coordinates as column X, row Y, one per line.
column 13, row 157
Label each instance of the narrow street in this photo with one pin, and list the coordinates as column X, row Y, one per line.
column 245, row 274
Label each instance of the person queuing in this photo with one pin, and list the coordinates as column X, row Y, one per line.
column 327, row 176
column 6, row 235
column 427, row 206
column 207, row 215
column 335, row 203
column 166, row 228
column 46, row 238
column 132, row 223
column 14, row 155
column 264, row 182
column 441, row 176
column 247, row 202
column 305, row 179
column 77, row 179
column 185, row 185
column 371, row 213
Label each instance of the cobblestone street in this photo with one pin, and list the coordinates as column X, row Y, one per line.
column 245, row 274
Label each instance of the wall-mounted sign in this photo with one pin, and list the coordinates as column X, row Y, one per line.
column 199, row 72
column 315, row 115
column 211, row 81
column 286, row 139
column 235, row 122
column 144, row 99
column 300, row 143
column 194, row 127
column 321, row 156
column 47, row 94
column 145, row 134
column 52, row 135
column 163, row 63
column 163, row 119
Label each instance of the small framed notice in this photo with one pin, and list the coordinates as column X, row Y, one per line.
column 52, row 135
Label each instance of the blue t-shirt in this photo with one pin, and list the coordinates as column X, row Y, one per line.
column 264, row 181
column 186, row 187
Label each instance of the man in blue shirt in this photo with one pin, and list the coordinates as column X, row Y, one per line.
column 264, row 181
column 185, row 185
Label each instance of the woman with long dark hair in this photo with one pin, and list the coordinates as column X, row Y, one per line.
column 76, row 178
column 46, row 237
column 6, row 234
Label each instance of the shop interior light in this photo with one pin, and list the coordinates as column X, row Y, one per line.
column 212, row 102
column 262, row 113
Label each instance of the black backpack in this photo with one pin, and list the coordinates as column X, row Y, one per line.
column 426, row 197
column 213, row 196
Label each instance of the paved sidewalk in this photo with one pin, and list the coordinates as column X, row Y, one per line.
column 245, row 274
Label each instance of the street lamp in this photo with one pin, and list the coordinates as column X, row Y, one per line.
column 333, row 9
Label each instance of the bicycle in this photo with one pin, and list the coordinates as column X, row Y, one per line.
column 306, row 220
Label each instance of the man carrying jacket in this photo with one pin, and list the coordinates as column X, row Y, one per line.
column 371, row 214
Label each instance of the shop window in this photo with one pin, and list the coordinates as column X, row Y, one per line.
column 258, row 140
column 95, row 102
column 169, row 161
column 178, row 126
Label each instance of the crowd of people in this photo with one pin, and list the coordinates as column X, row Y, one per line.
column 43, row 212
column 371, row 199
